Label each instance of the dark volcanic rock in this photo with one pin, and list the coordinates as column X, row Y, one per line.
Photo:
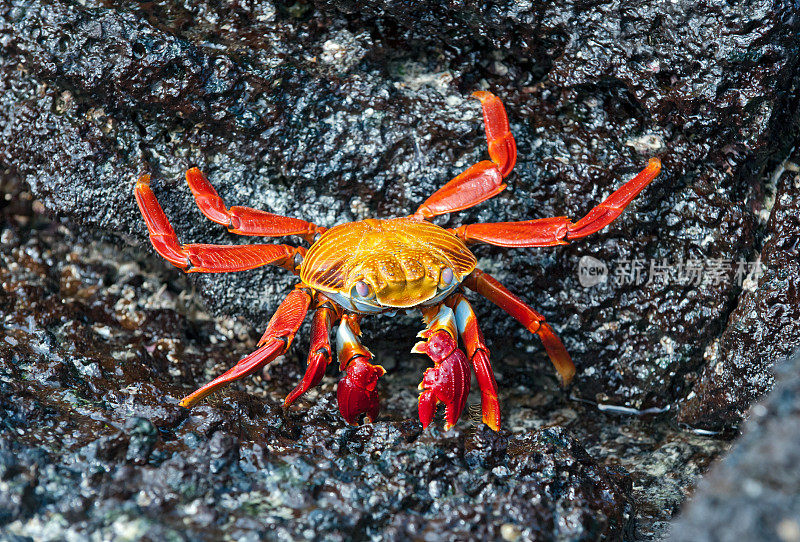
column 332, row 114
column 764, row 327
column 96, row 346
column 91, row 441
column 754, row 493
column 333, row 111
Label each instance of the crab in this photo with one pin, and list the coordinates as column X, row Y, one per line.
column 373, row 266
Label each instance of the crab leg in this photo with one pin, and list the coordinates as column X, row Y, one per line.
column 356, row 392
column 276, row 341
column 488, row 287
column 195, row 258
column 449, row 379
column 478, row 354
column 319, row 355
column 560, row 230
column 245, row 220
column 484, row 180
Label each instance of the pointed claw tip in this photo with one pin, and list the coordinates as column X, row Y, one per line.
column 566, row 378
column 654, row 163
column 491, row 412
column 289, row 400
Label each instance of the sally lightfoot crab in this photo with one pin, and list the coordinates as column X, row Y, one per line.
column 374, row 266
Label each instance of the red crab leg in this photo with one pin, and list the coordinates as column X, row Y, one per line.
column 356, row 392
column 478, row 354
column 560, row 230
column 245, row 220
column 319, row 355
column 488, row 287
column 195, row 258
column 484, row 180
column 448, row 380
column 276, row 341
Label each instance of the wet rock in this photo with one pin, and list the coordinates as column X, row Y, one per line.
column 333, row 114
column 765, row 326
column 92, row 440
column 754, row 493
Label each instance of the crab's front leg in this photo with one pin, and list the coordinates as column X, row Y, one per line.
column 487, row 286
column 356, row 392
column 560, row 230
column 448, row 380
column 276, row 341
column 319, row 355
column 478, row 354
column 245, row 220
column 483, row 180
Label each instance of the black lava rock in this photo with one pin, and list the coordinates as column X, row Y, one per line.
column 765, row 325
column 754, row 493
column 333, row 113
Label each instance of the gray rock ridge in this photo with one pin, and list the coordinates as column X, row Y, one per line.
column 754, row 492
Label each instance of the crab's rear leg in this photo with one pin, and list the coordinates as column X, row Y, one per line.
column 356, row 393
column 478, row 354
column 245, row 220
column 276, row 341
column 491, row 289
column 484, row 180
column 449, row 379
column 319, row 354
column 202, row 257
column 560, row 230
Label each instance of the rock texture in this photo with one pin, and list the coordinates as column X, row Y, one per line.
column 334, row 113
column 765, row 325
column 98, row 344
column 754, row 493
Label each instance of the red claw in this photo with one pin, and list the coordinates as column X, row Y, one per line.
column 356, row 391
column 446, row 382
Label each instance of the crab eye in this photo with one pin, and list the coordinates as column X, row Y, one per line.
column 447, row 278
column 361, row 288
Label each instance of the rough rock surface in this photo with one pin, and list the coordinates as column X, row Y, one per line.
column 97, row 344
column 332, row 114
column 754, row 493
column 765, row 325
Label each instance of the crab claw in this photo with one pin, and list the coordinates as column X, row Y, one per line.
column 446, row 382
column 356, row 391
